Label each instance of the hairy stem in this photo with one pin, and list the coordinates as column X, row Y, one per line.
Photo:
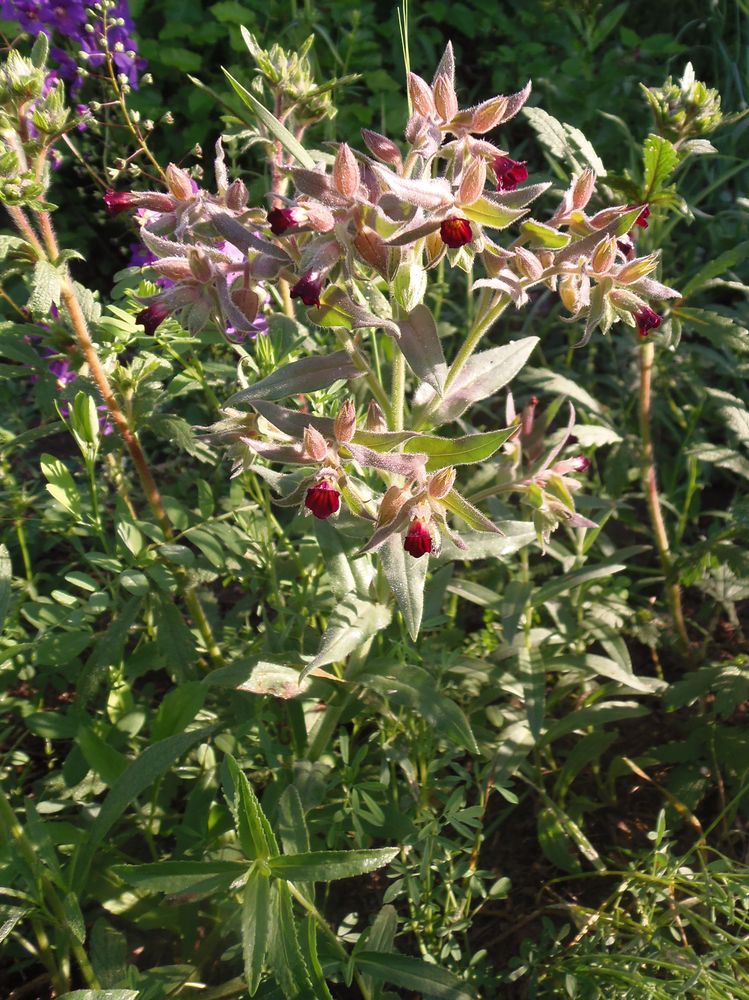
column 397, row 390
column 650, row 486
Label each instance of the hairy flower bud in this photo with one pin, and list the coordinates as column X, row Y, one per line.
column 247, row 301
column 179, row 183
column 345, row 423
column 323, row 499
column 488, row 115
column 391, row 503
column 174, row 268
column 236, row 195
column 346, row 172
column 422, row 98
column 583, row 188
column 319, row 217
column 528, row 264
column 371, row 248
column 418, row 541
column 604, row 256
column 456, row 232
column 382, row 148
column 200, row 266
column 445, row 98
column 472, row 183
column 641, row 267
column 375, row 421
column 440, row 484
column 315, row 445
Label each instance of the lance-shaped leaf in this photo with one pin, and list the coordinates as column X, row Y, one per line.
column 181, row 877
column 274, row 126
column 337, row 309
column 426, row 192
column 479, row 545
column 418, row 229
column 382, row 440
column 482, row 376
column 406, row 577
column 413, row 974
column 284, row 954
column 520, row 197
column 327, row 866
column 289, row 454
column 542, row 235
column 442, row 452
column 305, row 375
column 256, row 918
column 421, row 347
column 409, row 465
column 351, row 624
column 252, row 825
column 243, row 239
column 472, row 516
column 292, row 422
column 493, row 216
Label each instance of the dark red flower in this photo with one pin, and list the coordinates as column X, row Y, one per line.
column 119, row 201
column 308, row 289
column 642, row 218
column 580, row 462
column 627, row 246
column 647, row 320
column 418, row 541
column 152, row 316
column 281, row 220
column 322, row 499
column 509, row 173
column 456, row 232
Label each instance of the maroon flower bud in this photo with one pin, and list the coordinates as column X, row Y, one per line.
column 642, row 218
column 418, row 541
column 308, row 289
column 322, row 499
column 119, row 201
column 580, row 463
column 509, row 173
column 647, row 320
column 281, row 220
column 627, row 246
column 456, row 232
column 152, row 316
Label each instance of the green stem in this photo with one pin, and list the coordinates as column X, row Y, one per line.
column 330, row 934
column 650, row 487
column 469, row 345
column 397, row 390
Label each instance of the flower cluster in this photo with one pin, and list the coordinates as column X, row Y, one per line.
column 68, row 22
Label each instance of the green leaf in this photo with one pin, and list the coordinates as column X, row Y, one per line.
column 716, row 267
column 351, row 624
column 46, row 285
column 544, row 236
column 107, row 762
column 482, row 376
column 108, row 651
column 597, row 715
column 6, row 575
column 256, row 917
column 555, row 588
column 660, row 158
column 466, row 450
column 284, row 954
column 152, row 763
column 178, row 709
column 327, row 866
column 175, row 641
column 406, row 577
column 533, row 677
column 181, row 877
column 305, row 375
column 248, row 815
column 101, row 995
column 60, row 484
column 274, row 126
column 413, row 974
column 291, row 824
column 420, row 344
column 494, row 216
column 481, row 545
column 472, row 516
column 74, row 917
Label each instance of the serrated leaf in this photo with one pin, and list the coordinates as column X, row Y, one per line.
column 420, row 344
column 328, row 866
column 467, row 450
column 406, row 577
column 413, row 974
column 660, row 158
column 46, row 286
column 306, row 375
column 179, row 878
column 255, row 923
column 274, row 126
column 248, row 815
column 284, row 954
